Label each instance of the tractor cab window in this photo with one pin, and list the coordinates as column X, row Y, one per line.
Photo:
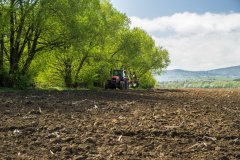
column 118, row 73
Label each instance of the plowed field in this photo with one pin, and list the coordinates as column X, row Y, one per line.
column 113, row 124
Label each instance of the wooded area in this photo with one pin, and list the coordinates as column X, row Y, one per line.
column 72, row 43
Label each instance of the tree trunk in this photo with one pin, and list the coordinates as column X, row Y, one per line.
column 13, row 71
column 68, row 73
column 31, row 53
column 79, row 69
column 1, row 61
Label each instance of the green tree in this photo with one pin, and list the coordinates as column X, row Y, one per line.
column 95, row 30
column 33, row 26
column 3, row 20
column 77, row 41
column 139, row 54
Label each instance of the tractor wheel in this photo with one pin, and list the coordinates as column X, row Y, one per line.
column 122, row 85
column 126, row 85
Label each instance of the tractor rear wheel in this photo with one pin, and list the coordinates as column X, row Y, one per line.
column 122, row 85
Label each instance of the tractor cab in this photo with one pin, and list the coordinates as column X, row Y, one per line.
column 121, row 74
column 119, row 80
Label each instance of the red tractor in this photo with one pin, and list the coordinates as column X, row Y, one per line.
column 120, row 79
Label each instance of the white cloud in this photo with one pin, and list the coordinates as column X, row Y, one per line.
column 196, row 42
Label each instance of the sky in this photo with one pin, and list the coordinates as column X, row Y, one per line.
column 198, row 34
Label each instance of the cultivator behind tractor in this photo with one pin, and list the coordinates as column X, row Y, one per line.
column 120, row 80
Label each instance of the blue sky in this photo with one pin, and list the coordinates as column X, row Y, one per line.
column 199, row 34
column 156, row 8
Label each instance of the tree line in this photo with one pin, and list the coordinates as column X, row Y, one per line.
column 71, row 43
column 200, row 84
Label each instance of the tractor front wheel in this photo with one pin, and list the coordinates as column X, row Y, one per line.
column 126, row 85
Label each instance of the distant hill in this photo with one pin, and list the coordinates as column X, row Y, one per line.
column 229, row 73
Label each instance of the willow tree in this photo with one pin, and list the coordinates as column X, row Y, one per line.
column 31, row 26
column 3, row 23
column 138, row 53
column 100, row 32
column 75, row 39
column 93, row 26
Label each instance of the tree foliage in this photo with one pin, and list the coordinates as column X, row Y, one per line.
column 74, row 42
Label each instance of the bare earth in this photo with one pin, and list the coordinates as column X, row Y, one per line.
column 154, row 124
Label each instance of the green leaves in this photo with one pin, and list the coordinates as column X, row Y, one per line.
column 74, row 41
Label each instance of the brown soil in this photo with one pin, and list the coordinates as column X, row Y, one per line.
column 154, row 124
